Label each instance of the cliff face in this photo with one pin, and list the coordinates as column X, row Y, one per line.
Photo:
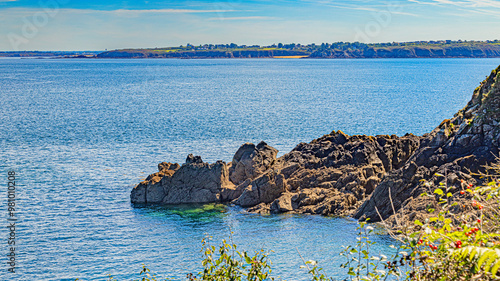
column 455, row 148
column 337, row 174
column 476, row 51
column 200, row 54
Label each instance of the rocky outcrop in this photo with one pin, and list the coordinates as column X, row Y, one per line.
column 331, row 175
column 199, row 182
column 341, row 175
column 193, row 182
column 455, row 149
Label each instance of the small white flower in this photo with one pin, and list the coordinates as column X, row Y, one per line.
column 311, row 262
column 428, row 230
column 369, row 228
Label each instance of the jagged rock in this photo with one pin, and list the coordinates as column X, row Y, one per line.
column 250, row 161
column 191, row 159
column 332, row 174
column 262, row 208
column 455, row 148
column 193, row 182
column 283, row 203
column 339, row 174
column 264, row 189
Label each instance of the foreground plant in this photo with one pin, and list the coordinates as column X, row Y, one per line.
column 458, row 241
column 363, row 265
column 226, row 263
column 461, row 245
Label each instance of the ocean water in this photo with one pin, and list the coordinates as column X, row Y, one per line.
column 80, row 133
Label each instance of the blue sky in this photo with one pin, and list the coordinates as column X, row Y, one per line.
column 99, row 25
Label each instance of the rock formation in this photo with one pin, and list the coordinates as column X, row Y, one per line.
column 193, row 182
column 455, row 148
column 331, row 175
column 337, row 174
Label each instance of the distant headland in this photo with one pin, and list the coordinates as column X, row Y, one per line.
column 417, row 49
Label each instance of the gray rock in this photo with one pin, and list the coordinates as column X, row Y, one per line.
column 250, row 161
column 193, row 182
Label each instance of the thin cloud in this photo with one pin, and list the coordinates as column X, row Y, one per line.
column 463, row 4
column 468, row 6
column 168, row 11
column 243, row 18
column 361, row 7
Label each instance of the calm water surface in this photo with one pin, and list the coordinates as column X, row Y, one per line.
column 81, row 133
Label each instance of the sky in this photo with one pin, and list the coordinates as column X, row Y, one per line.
column 102, row 24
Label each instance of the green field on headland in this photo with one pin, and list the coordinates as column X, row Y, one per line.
column 420, row 49
column 417, row 49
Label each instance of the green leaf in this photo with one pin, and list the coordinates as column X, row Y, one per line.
column 495, row 268
column 438, row 191
column 417, row 222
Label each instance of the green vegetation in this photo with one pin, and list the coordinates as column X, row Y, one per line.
column 459, row 240
column 445, row 48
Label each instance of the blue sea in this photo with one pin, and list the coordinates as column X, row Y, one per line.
column 80, row 133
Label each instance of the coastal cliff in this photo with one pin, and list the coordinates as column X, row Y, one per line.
column 420, row 49
column 202, row 54
column 341, row 175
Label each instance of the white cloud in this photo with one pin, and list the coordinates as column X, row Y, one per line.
column 364, row 6
column 243, row 18
column 462, row 4
column 168, row 11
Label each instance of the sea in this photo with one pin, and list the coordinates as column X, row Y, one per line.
column 76, row 135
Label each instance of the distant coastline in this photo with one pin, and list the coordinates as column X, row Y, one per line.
column 419, row 49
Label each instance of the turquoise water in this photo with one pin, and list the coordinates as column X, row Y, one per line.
column 81, row 133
